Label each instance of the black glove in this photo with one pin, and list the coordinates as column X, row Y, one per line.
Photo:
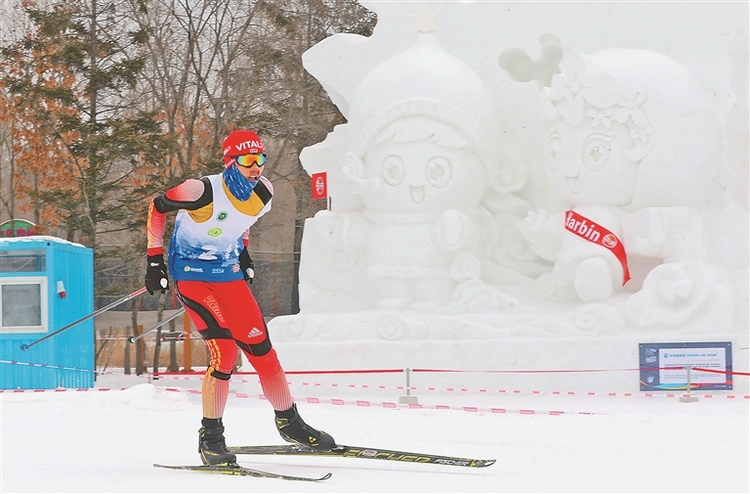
column 156, row 274
column 247, row 266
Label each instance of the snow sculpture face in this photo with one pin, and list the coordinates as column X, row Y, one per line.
column 588, row 166
column 422, row 165
column 632, row 129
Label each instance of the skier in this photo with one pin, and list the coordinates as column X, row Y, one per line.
column 211, row 268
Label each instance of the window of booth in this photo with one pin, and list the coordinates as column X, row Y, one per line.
column 23, row 304
column 22, row 261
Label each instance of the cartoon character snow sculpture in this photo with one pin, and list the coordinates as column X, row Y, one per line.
column 633, row 152
column 415, row 160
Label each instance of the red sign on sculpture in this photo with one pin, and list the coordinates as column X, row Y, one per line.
column 319, row 185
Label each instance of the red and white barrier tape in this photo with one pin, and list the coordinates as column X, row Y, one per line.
column 334, row 401
column 429, row 389
column 433, row 389
column 367, row 403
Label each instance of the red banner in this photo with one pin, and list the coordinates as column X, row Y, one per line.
column 588, row 230
column 319, row 185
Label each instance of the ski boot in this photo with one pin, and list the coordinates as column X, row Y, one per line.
column 211, row 444
column 293, row 429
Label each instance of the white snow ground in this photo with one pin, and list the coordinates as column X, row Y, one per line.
column 106, row 439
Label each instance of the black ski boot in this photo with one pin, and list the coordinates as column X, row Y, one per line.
column 211, row 444
column 294, row 430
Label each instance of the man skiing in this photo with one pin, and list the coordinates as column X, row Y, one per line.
column 210, row 265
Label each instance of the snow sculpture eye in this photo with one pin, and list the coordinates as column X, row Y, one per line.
column 438, row 171
column 554, row 152
column 596, row 152
column 393, row 170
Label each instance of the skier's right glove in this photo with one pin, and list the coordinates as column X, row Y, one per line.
column 156, row 274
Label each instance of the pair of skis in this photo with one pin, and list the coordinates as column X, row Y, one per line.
column 340, row 451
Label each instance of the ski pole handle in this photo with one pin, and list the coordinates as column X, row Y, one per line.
column 86, row 318
column 133, row 339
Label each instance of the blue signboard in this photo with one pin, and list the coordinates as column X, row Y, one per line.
column 666, row 366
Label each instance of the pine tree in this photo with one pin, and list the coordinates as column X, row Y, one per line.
column 82, row 145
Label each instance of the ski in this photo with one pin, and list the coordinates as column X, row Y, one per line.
column 359, row 452
column 241, row 471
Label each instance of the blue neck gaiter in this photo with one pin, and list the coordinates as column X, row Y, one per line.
column 239, row 186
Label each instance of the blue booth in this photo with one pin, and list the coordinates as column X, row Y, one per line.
column 46, row 283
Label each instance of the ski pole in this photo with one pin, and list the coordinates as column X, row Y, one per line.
column 86, row 318
column 133, row 339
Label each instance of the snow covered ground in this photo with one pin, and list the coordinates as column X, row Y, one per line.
column 106, row 439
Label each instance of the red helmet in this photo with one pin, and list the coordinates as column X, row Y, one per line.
column 241, row 141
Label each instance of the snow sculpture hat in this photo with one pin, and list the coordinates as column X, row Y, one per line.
column 426, row 81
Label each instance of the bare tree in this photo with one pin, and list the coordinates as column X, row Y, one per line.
column 303, row 113
column 214, row 66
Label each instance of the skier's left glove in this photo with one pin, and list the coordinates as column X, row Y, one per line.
column 247, row 266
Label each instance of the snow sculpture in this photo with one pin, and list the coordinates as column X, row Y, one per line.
column 634, row 153
column 445, row 245
column 416, row 160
